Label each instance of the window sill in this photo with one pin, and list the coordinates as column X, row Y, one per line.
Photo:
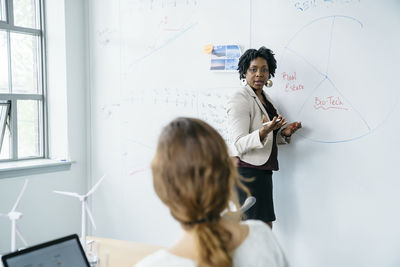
column 33, row 166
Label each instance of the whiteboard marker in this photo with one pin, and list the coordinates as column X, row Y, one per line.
column 268, row 122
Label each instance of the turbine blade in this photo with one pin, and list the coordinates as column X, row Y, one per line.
column 89, row 213
column 248, row 203
column 20, row 236
column 3, row 215
column 20, row 195
column 94, row 188
column 70, row 194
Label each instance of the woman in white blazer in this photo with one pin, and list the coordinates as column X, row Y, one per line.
column 256, row 129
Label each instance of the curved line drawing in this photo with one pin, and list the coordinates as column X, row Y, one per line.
column 359, row 114
column 312, row 92
column 326, row 77
column 326, row 17
column 334, row 142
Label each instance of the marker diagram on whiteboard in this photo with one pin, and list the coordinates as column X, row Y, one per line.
column 322, row 84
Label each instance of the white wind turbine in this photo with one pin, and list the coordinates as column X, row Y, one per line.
column 13, row 216
column 85, row 209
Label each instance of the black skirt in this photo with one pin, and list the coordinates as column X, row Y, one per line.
column 260, row 188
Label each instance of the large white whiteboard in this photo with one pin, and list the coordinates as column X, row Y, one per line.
column 337, row 67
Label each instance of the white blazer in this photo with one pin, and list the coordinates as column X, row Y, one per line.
column 245, row 120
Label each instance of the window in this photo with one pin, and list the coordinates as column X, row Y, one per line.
column 22, row 101
column 2, row 10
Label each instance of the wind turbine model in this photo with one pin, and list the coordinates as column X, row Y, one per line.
column 13, row 216
column 248, row 203
column 85, row 208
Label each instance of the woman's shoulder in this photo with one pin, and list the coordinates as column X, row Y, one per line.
column 255, row 223
column 260, row 248
column 239, row 96
column 241, row 91
column 164, row 258
column 258, row 226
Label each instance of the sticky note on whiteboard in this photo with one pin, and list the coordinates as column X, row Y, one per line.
column 207, row 49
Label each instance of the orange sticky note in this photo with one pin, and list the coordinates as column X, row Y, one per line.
column 208, row 49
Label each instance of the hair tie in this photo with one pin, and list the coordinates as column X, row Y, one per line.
column 199, row 221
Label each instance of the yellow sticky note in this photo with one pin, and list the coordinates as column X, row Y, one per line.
column 208, row 49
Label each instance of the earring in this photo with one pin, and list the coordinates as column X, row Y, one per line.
column 243, row 81
column 269, row 83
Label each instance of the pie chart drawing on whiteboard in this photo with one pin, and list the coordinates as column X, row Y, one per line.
column 324, row 82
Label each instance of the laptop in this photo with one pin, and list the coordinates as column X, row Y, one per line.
column 63, row 252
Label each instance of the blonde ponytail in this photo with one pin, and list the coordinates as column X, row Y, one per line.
column 212, row 245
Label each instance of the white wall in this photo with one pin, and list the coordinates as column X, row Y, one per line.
column 46, row 215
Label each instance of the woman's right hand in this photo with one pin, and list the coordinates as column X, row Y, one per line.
column 275, row 124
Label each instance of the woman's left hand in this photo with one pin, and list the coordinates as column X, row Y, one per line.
column 291, row 128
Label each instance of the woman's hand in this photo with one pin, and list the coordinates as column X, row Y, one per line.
column 291, row 128
column 276, row 123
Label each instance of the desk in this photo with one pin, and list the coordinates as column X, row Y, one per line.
column 119, row 253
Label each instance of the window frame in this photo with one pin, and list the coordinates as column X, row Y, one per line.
column 9, row 27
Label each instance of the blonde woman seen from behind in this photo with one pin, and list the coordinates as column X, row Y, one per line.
column 195, row 177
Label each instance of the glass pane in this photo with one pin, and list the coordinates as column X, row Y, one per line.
column 4, row 131
column 29, row 130
column 2, row 10
column 25, row 13
column 5, row 148
column 24, row 63
column 3, row 63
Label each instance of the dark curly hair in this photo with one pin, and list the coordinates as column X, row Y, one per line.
column 251, row 54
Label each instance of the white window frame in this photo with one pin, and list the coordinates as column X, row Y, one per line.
column 9, row 27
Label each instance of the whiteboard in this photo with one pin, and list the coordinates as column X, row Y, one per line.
column 335, row 63
column 336, row 191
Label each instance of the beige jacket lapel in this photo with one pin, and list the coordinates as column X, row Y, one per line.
column 260, row 105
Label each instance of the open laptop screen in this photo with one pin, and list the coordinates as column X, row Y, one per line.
column 65, row 251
